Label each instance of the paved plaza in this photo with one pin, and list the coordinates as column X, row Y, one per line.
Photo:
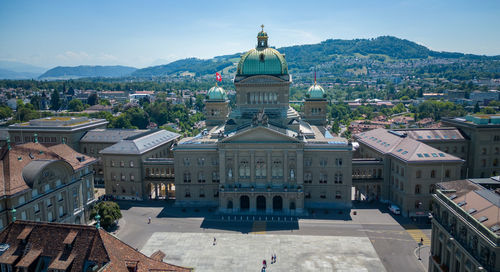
column 245, row 252
column 370, row 240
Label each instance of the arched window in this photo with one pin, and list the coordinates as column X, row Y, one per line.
column 260, row 169
column 433, row 173
column 419, row 173
column 432, row 188
column 417, row 189
column 447, row 173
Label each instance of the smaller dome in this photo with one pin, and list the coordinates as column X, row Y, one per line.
column 316, row 92
column 216, row 93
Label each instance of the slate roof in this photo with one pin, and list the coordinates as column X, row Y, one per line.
column 73, row 248
column 397, row 144
column 13, row 161
column 437, row 134
column 100, row 135
column 141, row 143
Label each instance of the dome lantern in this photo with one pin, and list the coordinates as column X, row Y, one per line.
column 262, row 38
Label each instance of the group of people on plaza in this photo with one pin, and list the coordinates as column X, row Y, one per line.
column 264, row 262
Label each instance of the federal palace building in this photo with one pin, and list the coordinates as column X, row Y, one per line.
column 263, row 156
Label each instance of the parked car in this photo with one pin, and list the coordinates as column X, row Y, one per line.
column 395, row 209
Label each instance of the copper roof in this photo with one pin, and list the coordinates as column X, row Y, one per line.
column 90, row 246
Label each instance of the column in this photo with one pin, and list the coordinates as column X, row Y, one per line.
column 285, row 166
column 222, row 166
column 236, row 172
column 156, row 191
column 269, row 166
column 269, row 203
column 300, row 167
column 252, row 166
column 253, row 203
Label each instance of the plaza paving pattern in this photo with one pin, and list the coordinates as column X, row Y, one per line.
column 245, row 252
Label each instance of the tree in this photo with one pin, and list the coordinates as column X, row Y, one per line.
column 5, row 112
column 476, row 108
column 55, row 101
column 36, row 101
column 108, row 211
column 75, row 105
column 92, row 99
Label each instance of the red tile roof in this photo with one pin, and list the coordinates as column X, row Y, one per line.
column 14, row 160
column 89, row 246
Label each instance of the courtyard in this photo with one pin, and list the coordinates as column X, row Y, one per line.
column 371, row 240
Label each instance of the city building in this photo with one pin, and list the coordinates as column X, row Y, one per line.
column 264, row 157
column 140, row 166
column 466, row 226
column 484, row 98
column 54, row 130
column 98, row 139
column 36, row 246
column 392, row 167
column 45, row 183
column 483, row 137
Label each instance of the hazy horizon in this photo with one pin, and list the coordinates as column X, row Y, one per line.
column 142, row 34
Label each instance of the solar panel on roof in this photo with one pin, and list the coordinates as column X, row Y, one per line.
column 420, row 155
column 399, row 150
column 428, row 137
column 441, row 155
column 453, row 197
column 482, row 219
column 471, row 211
column 434, row 155
column 495, row 228
column 426, row 155
column 461, row 203
column 420, row 137
column 404, row 152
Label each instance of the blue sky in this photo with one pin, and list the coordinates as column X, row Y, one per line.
column 150, row 32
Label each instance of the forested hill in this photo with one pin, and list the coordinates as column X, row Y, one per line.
column 62, row 72
column 303, row 57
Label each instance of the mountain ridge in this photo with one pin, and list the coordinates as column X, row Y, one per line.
column 71, row 72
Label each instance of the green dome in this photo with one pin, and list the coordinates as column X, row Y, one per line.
column 216, row 93
column 316, row 92
column 262, row 61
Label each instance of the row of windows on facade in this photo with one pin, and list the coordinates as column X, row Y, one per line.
column 261, row 162
column 366, row 173
column 418, row 173
column 59, row 198
column 308, row 195
column 46, row 189
column 155, row 172
column 28, row 139
column 469, row 241
column 308, row 176
column 418, row 187
column 316, row 111
column 262, row 98
column 484, row 150
column 122, row 177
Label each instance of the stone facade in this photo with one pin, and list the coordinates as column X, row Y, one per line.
column 138, row 167
column 483, row 143
column 465, row 228
column 52, row 184
column 409, row 173
column 54, row 130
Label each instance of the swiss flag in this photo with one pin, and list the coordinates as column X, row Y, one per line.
column 218, row 77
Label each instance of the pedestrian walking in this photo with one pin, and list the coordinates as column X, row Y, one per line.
column 149, row 220
column 274, row 257
column 215, row 242
column 264, row 263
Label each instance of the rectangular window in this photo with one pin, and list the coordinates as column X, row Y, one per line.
column 59, row 197
column 34, row 193
column 61, row 211
column 49, row 202
column 23, row 215
column 46, row 187
column 36, row 208
column 21, row 200
column 58, row 183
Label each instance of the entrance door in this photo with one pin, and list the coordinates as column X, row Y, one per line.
column 261, row 203
column 244, row 203
column 277, row 203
